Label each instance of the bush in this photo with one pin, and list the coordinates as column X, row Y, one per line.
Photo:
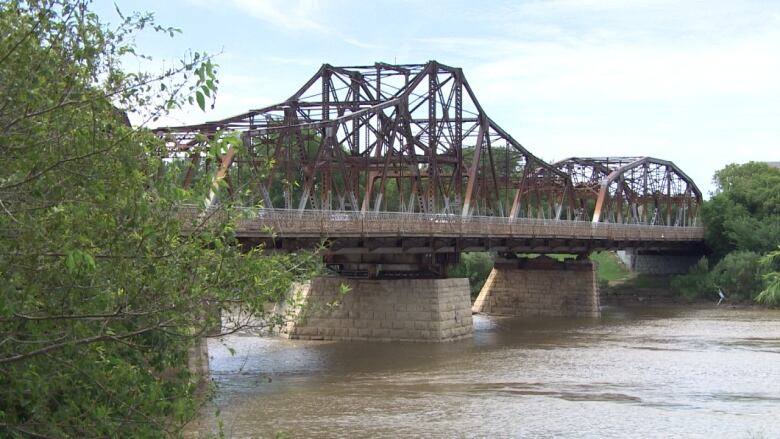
column 738, row 274
column 770, row 263
column 697, row 284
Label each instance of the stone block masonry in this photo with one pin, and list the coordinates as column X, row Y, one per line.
column 418, row 310
column 540, row 287
column 198, row 361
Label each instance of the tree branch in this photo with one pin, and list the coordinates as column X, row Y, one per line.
column 82, row 341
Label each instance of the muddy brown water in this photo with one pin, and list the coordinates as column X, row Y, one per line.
column 636, row 372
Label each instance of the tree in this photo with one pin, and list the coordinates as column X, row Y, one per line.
column 101, row 292
column 744, row 212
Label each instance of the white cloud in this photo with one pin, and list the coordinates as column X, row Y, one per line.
column 621, row 71
column 290, row 15
column 302, row 16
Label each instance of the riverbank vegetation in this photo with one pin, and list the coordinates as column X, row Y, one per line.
column 742, row 221
column 102, row 294
column 474, row 266
column 610, row 269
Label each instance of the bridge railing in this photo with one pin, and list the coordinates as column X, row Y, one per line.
column 309, row 223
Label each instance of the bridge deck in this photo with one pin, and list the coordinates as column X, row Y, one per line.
column 278, row 223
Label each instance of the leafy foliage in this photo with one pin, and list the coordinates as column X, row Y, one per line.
column 475, row 266
column 696, row 284
column 770, row 263
column 738, row 274
column 742, row 222
column 744, row 212
column 101, row 292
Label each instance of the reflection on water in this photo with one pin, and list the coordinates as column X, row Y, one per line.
column 657, row 372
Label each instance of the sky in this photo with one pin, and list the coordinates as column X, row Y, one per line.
column 694, row 82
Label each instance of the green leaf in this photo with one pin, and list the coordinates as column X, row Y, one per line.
column 201, row 100
column 70, row 261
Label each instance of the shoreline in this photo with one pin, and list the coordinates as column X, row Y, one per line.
column 665, row 297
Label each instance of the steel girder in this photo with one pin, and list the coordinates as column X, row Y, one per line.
column 399, row 138
column 633, row 190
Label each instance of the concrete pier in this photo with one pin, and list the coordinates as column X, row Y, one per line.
column 418, row 310
column 540, row 287
column 642, row 261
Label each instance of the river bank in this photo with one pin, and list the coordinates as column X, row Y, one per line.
column 656, row 290
column 633, row 289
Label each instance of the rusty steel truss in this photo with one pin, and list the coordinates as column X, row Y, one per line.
column 414, row 139
column 632, row 190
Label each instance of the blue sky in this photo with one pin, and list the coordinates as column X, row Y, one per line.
column 695, row 82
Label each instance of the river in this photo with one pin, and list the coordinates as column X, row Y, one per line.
column 636, row 372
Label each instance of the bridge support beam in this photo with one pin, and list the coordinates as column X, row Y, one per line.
column 540, row 287
column 418, row 310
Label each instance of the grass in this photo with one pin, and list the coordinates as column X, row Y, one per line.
column 613, row 275
column 610, row 269
column 616, row 279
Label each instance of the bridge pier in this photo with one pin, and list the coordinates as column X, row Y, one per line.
column 655, row 262
column 418, row 310
column 198, row 360
column 540, row 287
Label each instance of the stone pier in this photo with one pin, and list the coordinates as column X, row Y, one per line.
column 198, row 361
column 540, row 287
column 418, row 310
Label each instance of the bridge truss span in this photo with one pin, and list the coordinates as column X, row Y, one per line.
column 384, row 138
column 632, row 190
column 414, row 139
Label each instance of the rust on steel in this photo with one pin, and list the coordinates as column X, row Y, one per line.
column 414, row 139
column 383, row 138
column 632, row 190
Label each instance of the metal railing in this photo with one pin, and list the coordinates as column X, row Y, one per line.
column 255, row 222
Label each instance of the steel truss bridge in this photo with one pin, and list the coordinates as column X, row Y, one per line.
column 403, row 159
